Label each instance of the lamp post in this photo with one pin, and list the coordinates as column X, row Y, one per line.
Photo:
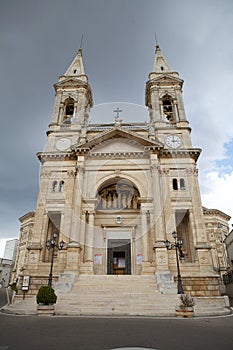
column 179, row 256
column 51, row 243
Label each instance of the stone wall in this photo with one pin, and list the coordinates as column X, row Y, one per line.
column 201, row 286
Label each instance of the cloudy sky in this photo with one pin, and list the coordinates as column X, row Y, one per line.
column 38, row 40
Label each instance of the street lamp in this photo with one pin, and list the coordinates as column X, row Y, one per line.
column 51, row 243
column 179, row 256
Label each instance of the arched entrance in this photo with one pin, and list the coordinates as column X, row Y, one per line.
column 119, row 209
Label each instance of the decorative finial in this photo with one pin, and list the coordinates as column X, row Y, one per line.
column 156, row 41
column 81, row 43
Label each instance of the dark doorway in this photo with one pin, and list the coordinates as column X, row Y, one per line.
column 119, row 257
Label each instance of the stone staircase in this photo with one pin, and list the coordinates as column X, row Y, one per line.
column 115, row 295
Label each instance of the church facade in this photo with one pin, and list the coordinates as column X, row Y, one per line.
column 114, row 193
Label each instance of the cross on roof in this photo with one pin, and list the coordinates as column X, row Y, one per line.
column 118, row 110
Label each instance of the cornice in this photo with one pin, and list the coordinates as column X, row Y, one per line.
column 207, row 211
column 191, row 153
column 43, row 157
column 29, row 215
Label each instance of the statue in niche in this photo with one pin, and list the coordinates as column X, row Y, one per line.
column 129, row 202
column 103, row 203
column 109, row 200
column 114, row 202
column 124, row 200
column 135, row 202
column 119, row 200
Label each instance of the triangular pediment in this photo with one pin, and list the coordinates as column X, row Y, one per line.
column 118, row 140
column 166, row 78
column 67, row 82
column 119, row 145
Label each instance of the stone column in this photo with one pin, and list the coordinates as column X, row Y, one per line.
column 144, row 233
column 147, row 268
column 75, row 224
column 90, row 238
column 82, row 228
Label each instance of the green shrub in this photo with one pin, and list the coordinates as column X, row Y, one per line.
column 46, row 296
column 13, row 287
column 186, row 301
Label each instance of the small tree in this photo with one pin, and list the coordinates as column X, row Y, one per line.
column 186, row 301
column 46, row 296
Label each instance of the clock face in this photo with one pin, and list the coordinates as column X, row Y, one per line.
column 63, row 144
column 173, row 141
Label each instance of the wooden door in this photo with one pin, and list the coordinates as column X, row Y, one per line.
column 119, row 257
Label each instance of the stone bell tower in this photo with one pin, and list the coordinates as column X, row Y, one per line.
column 73, row 98
column 165, row 103
column 179, row 187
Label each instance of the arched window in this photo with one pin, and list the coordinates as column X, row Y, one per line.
column 61, row 186
column 168, row 108
column 54, row 188
column 69, row 110
column 174, row 184
column 182, row 184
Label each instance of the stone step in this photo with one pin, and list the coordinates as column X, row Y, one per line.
column 115, row 295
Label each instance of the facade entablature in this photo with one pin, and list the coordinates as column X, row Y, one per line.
column 117, row 155
column 192, row 153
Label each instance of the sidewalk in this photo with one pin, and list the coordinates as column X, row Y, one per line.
column 22, row 307
column 29, row 307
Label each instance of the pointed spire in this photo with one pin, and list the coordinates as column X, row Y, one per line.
column 76, row 68
column 160, row 63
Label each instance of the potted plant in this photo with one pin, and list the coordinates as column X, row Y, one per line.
column 185, row 308
column 46, row 298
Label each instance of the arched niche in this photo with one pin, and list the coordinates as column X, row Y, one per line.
column 118, row 194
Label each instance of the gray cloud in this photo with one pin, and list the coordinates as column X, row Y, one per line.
column 39, row 39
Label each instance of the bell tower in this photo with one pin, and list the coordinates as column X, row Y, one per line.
column 165, row 103
column 73, row 98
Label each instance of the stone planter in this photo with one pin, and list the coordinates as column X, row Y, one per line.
column 45, row 310
column 186, row 312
